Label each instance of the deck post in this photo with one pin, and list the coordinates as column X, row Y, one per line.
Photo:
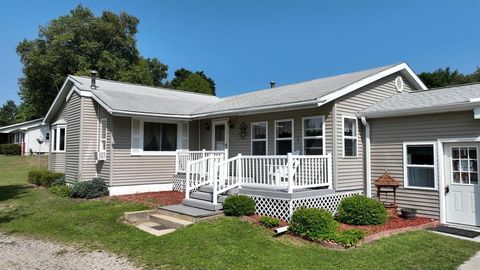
column 329, row 170
column 239, row 170
column 187, row 181
column 213, row 177
column 204, row 169
column 290, row 172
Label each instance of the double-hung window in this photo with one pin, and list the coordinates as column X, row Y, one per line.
column 313, row 142
column 103, row 135
column 283, row 137
column 158, row 138
column 350, row 136
column 58, row 138
column 419, row 165
column 259, row 138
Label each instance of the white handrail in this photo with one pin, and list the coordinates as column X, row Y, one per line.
column 183, row 156
column 289, row 172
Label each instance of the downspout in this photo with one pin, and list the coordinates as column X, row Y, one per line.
column 367, row 158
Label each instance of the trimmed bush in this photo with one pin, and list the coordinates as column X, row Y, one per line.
column 314, row 224
column 349, row 238
column 10, row 149
column 239, row 205
column 360, row 210
column 44, row 178
column 89, row 189
column 60, row 190
column 269, row 222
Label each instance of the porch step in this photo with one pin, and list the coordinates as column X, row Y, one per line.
column 202, row 204
column 187, row 212
column 170, row 222
column 206, row 196
column 209, row 189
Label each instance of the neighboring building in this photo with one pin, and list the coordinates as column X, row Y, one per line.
column 27, row 135
column 344, row 132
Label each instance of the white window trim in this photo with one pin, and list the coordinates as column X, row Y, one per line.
column 349, row 137
column 100, row 139
column 284, row 139
column 154, row 153
column 434, row 166
column 57, row 140
column 314, row 137
column 259, row 140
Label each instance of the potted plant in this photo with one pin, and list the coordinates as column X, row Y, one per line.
column 409, row 213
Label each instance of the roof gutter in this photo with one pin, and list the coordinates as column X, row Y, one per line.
column 438, row 109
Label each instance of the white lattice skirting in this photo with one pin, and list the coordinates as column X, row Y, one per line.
column 283, row 208
column 179, row 184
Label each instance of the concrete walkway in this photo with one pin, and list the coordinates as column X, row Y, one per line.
column 472, row 264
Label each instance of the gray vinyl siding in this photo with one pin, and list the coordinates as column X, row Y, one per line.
column 136, row 170
column 89, row 139
column 72, row 149
column 103, row 168
column 56, row 160
column 350, row 171
column 388, row 136
column 243, row 145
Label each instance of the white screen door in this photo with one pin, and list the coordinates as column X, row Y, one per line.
column 220, row 135
column 462, row 190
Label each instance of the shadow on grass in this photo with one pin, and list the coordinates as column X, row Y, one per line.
column 12, row 191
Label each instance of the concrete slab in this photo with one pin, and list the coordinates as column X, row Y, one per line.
column 149, row 227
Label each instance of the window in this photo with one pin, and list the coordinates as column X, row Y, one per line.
column 313, row 135
column 47, row 136
column 419, row 165
column 58, row 138
column 283, row 137
column 103, row 135
column 350, row 132
column 259, row 138
column 464, row 165
column 159, row 137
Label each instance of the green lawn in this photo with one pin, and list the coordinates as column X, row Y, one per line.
column 225, row 243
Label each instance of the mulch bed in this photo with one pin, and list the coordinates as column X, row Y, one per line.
column 393, row 223
column 256, row 220
column 154, row 199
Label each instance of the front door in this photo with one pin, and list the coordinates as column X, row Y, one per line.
column 461, row 183
column 220, row 135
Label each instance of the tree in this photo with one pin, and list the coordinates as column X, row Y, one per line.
column 446, row 77
column 8, row 113
column 197, row 82
column 75, row 44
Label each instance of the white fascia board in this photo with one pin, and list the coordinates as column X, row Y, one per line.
column 476, row 113
column 22, row 126
column 438, row 109
column 58, row 100
column 370, row 79
column 259, row 109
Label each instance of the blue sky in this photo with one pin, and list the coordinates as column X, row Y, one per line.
column 245, row 44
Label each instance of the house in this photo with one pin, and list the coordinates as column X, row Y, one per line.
column 28, row 135
column 306, row 144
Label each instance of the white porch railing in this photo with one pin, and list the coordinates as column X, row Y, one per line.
column 290, row 172
column 184, row 156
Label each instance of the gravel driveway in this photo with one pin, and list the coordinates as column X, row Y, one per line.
column 18, row 252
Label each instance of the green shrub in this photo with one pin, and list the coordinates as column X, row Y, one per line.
column 10, row 149
column 239, row 205
column 348, row 238
column 59, row 181
column 43, row 177
column 360, row 210
column 89, row 189
column 34, row 177
column 269, row 222
column 312, row 223
column 60, row 190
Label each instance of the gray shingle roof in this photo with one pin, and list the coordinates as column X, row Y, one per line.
column 137, row 98
column 426, row 99
column 303, row 91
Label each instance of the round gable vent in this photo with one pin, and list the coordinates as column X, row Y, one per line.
column 399, row 83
